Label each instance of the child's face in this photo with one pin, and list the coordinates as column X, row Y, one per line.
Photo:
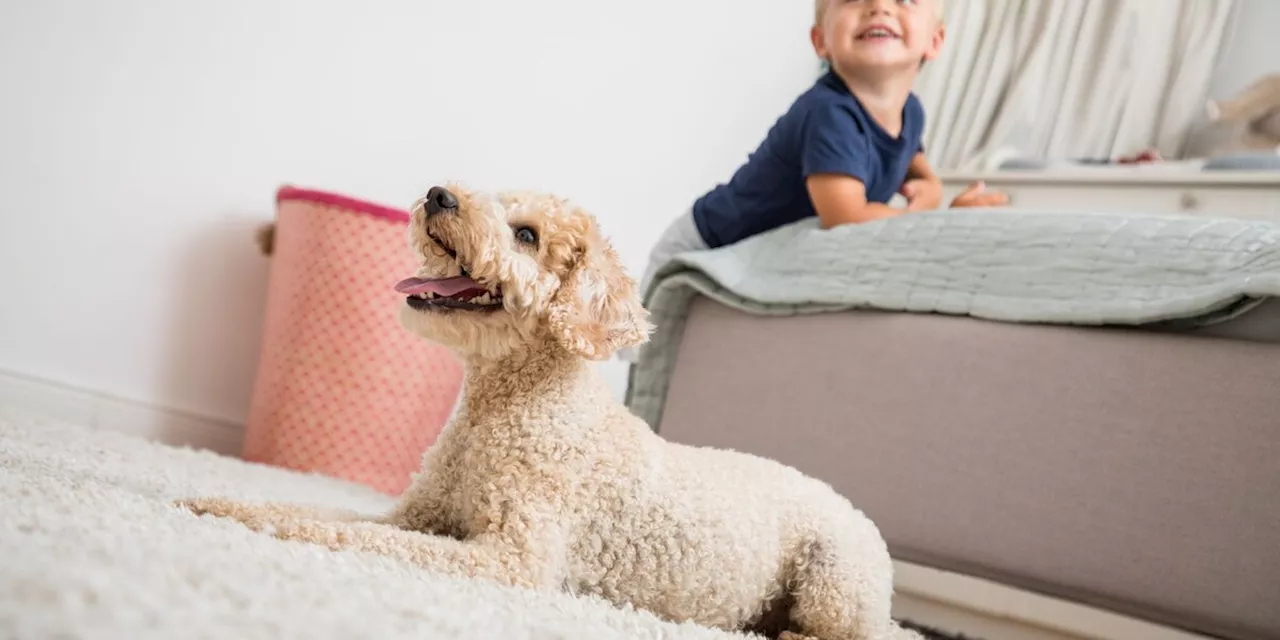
column 860, row 36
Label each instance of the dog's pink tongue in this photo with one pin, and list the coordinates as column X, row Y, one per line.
column 439, row 286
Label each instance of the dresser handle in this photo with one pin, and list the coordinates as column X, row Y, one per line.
column 1189, row 201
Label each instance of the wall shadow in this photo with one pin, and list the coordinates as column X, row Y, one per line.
column 219, row 302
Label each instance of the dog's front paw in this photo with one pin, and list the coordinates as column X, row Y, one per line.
column 223, row 508
column 204, row 506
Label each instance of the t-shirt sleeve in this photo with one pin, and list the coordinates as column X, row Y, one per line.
column 917, row 113
column 833, row 141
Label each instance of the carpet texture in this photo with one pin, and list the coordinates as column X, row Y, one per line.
column 92, row 549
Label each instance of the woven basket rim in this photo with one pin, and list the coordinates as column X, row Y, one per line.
column 288, row 193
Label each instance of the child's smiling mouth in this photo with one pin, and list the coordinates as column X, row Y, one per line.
column 878, row 32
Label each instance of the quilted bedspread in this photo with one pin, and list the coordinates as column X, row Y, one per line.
column 1005, row 265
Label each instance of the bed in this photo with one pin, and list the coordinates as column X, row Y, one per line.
column 1083, row 406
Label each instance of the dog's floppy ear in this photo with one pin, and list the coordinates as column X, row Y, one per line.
column 597, row 310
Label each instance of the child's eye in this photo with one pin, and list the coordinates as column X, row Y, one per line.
column 526, row 235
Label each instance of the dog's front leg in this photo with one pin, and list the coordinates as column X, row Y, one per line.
column 262, row 514
column 422, row 507
column 529, row 557
column 535, row 561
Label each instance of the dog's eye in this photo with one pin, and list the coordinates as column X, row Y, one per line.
column 526, row 235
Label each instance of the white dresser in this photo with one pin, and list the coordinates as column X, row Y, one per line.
column 1237, row 194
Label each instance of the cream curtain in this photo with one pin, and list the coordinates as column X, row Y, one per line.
column 1070, row 78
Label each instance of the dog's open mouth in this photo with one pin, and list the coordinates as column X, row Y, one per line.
column 456, row 292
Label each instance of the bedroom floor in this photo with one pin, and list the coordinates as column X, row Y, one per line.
column 94, row 549
column 98, row 551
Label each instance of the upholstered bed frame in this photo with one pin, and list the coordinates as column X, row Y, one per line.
column 1134, row 470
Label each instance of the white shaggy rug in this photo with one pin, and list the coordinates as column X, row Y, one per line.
column 91, row 548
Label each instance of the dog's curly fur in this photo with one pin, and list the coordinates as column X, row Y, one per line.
column 542, row 480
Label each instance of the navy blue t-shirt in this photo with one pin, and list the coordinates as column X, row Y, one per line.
column 826, row 130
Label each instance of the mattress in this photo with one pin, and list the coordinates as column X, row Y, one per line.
column 1174, row 273
column 1132, row 469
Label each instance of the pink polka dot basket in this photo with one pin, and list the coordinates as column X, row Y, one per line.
column 342, row 389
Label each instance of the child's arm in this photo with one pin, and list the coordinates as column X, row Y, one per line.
column 923, row 187
column 842, row 199
column 837, row 160
column 923, row 190
column 977, row 195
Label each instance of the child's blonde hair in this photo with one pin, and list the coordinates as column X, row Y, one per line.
column 820, row 9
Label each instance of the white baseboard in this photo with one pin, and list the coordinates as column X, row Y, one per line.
column 959, row 604
column 44, row 399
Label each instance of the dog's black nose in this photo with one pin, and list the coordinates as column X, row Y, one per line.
column 439, row 200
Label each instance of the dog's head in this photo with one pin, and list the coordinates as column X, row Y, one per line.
column 517, row 271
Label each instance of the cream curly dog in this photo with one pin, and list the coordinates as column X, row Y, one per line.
column 543, row 480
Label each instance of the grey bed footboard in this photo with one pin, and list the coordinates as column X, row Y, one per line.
column 1132, row 470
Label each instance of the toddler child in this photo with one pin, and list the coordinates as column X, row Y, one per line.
column 845, row 146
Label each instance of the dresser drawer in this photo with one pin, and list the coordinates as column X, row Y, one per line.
column 1210, row 197
column 1259, row 204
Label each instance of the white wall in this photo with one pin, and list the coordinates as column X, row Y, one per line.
column 142, row 141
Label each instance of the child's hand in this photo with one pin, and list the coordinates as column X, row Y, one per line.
column 978, row 196
column 922, row 194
